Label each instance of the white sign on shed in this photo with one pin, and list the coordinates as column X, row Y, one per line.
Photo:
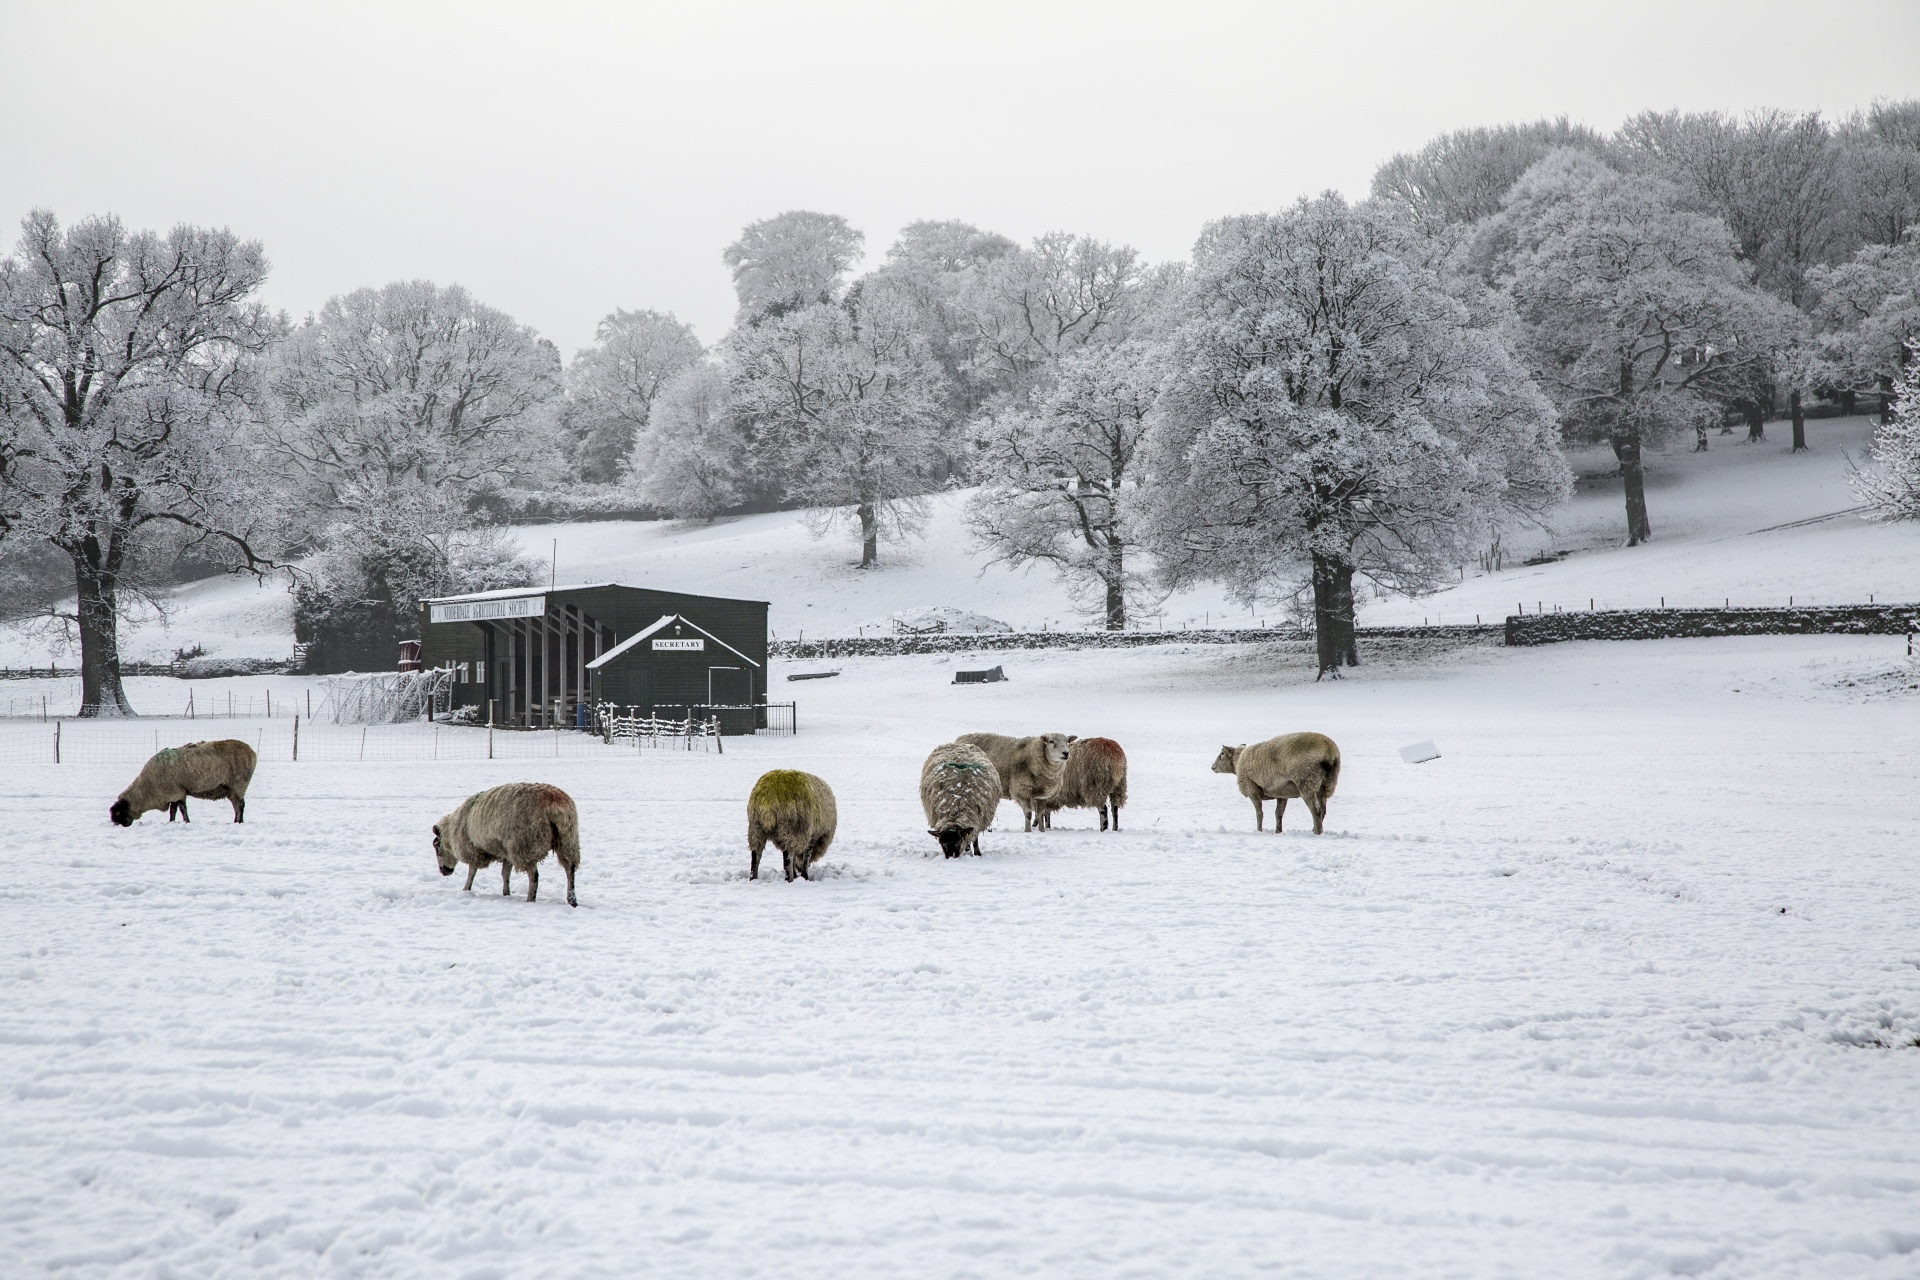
column 693, row 645
column 483, row 610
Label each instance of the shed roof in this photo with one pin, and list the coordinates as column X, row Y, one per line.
column 648, row 632
column 514, row 593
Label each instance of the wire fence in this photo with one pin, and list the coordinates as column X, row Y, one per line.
column 190, row 704
column 66, row 742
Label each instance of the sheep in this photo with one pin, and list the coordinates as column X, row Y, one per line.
column 515, row 825
column 1306, row 765
column 1095, row 778
column 796, row 811
column 203, row 770
column 960, row 791
column 1029, row 768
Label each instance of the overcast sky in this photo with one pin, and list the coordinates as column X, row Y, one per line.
column 562, row 160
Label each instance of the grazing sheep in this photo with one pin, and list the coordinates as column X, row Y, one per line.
column 204, row 770
column 1306, row 765
column 515, row 825
column 1030, row 768
column 960, row 790
column 795, row 810
column 1095, row 778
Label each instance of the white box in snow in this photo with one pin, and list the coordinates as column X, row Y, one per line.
column 1420, row 753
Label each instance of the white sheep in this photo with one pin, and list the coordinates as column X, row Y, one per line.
column 515, row 825
column 1306, row 765
column 204, row 770
column 1030, row 768
column 960, row 791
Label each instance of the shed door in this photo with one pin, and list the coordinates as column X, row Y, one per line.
column 729, row 686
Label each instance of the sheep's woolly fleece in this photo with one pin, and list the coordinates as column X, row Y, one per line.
column 1625, row 984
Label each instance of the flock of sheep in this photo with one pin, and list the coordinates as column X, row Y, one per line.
column 961, row 786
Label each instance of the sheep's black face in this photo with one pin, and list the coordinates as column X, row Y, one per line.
column 440, row 854
column 121, row 813
column 953, row 840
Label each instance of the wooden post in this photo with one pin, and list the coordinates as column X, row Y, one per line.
column 269, row 704
column 309, row 704
column 56, row 732
column 363, row 742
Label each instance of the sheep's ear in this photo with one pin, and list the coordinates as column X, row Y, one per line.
column 1073, row 737
column 933, row 833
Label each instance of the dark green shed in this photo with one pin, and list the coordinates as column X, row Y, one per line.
column 529, row 657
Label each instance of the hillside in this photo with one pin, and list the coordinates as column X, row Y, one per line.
column 1727, row 524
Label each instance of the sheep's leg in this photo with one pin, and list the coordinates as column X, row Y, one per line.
column 571, row 868
column 1259, row 814
column 756, row 844
column 173, row 807
column 1103, row 815
column 183, row 811
column 533, row 882
column 239, row 807
column 786, row 864
column 473, row 869
column 1026, row 807
column 1317, row 806
column 1115, row 806
column 1279, row 812
column 506, row 879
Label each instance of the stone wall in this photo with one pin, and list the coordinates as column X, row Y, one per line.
column 985, row 642
column 1667, row 624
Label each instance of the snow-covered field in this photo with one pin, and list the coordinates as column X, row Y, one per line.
column 1714, row 518
column 1626, row 984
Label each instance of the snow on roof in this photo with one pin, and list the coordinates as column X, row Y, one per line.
column 638, row 636
column 514, row 593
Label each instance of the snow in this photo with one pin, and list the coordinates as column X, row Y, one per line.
column 1625, row 984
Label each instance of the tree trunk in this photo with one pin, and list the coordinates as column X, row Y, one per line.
column 1333, row 616
column 1799, row 423
column 869, row 537
column 1116, row 585
column 1885, row 384
column 1756, row 423
column 101, row 693
column 1847, row 405
column 1626, row 447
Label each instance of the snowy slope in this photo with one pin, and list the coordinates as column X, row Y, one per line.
column 1706, row 512
column 1624, row 985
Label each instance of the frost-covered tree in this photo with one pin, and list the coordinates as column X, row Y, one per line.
column 126, row 375
column 1028, row 310
column 938, row 267
column 409, row 390
column 1880, row 151
column 1057, row 470
column 1338, row 406
column 398, row 410
column 612, row 385
column 695, row 457
column 1892, row 488
column 1869, row 316
column 1772, row 177
column 1636, row 315
column 849, row 405
column 1461, row 177
column 792, row 260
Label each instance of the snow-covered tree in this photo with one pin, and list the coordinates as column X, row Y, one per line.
column 1892, row 489
column 126, row 372
column 1461, row 177
column 1057, row 470
column 412, row 393
column 1869, row 316
column 1338, row 406
column 1027, row 310
column 1636, row 315
column 792, row 260
column 397, row 410
column 849, row 405
column 695, row 457
column 612, row 385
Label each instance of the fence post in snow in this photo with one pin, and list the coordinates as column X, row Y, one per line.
column 296, row 735
column 363, row 742
column 56, row 728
